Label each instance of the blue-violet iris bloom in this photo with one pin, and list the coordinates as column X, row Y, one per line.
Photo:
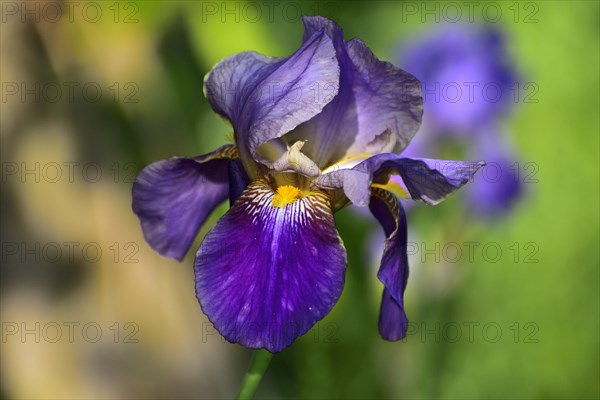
column 313, row 132
column 469, row 81
column 467, row 74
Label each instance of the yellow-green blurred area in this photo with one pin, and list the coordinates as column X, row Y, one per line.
column 94, row 91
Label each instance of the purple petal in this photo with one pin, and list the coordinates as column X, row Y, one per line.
column 352, row 182
column 426, row 179
column 265, row 275
column 393, row 272
column 378, row 107
column 231, row 81
column 265, row 98
column 238, row 180
column 392, row 318
column 388, row 99
column 173, row 197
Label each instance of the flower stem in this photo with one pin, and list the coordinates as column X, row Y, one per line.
column 258, row 365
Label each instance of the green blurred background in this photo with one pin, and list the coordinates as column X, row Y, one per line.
column 523, row 324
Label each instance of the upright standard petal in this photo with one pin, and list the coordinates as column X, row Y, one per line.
column 173, row 197
column 264, row 98
column 425, row 179
column 378, row 107
column 393, row 272
column 265, row 274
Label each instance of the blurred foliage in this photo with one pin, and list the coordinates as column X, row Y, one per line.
column 166, row 53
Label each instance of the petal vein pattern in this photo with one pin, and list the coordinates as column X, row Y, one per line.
column 265, row 275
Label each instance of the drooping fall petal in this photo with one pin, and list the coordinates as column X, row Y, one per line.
column 393, row 272
column 173, row 197
column 265, row 274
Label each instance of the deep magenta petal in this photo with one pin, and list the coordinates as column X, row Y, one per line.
column 265, row 275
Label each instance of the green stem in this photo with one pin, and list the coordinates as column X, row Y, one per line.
column 258, row 365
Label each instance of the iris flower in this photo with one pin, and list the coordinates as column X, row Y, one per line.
column 313, row 132
column 467, row 74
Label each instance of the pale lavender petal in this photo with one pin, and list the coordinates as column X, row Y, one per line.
column 378, row 107
column 265, row 98
column 426, row 179
column 389, row 99
column 352, row 182
column 230, row 82
column 265, row 275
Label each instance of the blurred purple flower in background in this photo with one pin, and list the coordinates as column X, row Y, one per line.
column 469, row 84
column 495, row 192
